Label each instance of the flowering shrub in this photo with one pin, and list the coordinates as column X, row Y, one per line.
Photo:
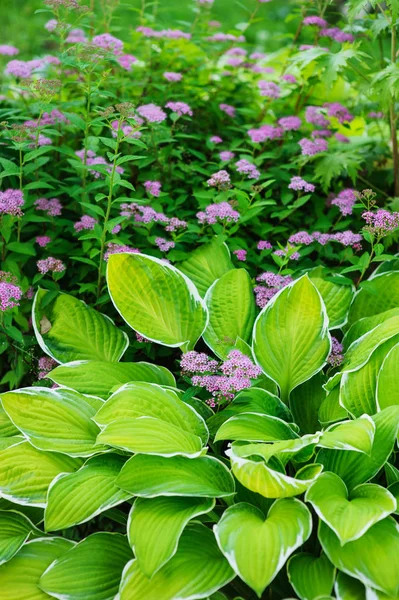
column 199, row 305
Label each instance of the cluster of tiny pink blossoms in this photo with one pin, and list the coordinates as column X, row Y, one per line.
column 50, row 265
column 312, row 147
column 11, row 202
column 90, row 159
column 43, row 240
column 10, row 292
column 271, row 283
column 228, row 109
column 264, row 245
column 246, row 168
column 171, row 34
column 336, row 356
column 171, row 76
column 345, row 201
column 299, row 184
column 241, row 255
column 175, row 224
column 142, row 214
column 346, row 238
column 269, row 89
column 220, row 179
column 51, row 206
column 222, row 380
column 113, row 248
column 164, row 245
column 221, row 212
column 226, row 155
column 86, row 222
column 153, row 188
column 151, row 113
column 180, row 108
column 381, row 223
column 46, row 364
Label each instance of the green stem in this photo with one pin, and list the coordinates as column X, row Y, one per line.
column 393, row 118
column 86, row 135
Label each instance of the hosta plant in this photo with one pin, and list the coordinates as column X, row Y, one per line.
column 268, row 469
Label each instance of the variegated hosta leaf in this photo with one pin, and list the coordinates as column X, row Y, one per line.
column 305, row 401
column 358, row 389
column 380, row 294
column 67, row 329
column 57, row 420
column 387, row 381
column 260, row 477
column 156, row 300
column 253, row 400
column 155, row 526
column 101, row 378
column 311, row 577
column 151, row 476
column 26, row 473
column 337, row 297
column 257, row 546
column 355, row 468
column 196, row 570
column 206, row 264
column 231, row 305
column 91, row 570
column 394, row 490
column 373, row 558
column 75, row 498
column 349, row 515
column 291, row 340
column 15, row 529
column 330, row 410
column 348, row 588
column 20, row 576
column 357, row 435
column 366, row 324
column 144, row 417
column 7, row 428
column 253, row 427
column 284, row 450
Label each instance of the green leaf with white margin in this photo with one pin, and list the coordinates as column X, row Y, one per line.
column 366, row 324
column 67, row 329
column 260, row 477
column 197, row 570
column 257, row 546
column 231, row 305
column 357, row 435
column 284, row 450
column 58, row 420
column 155, row 526
column 305, row 401
column 311, row 577
column 15, row 529
column 7, row 428
column 151, row 476
column 330, row 410
column 379, row 294
column 393, row 488
column 291, row 340
column 336, row 297
column 19, row 577
column 100, row 378
column 358, row 389
column 349, row 515
column 91, row 570
column 348, row 588
column 26, row 473
column 75, row 498
column 206, row 264
column 387, row 393
column 355, row 468
column 156, row 300
column 253, row 427
column 10, row 441
column 373, row 558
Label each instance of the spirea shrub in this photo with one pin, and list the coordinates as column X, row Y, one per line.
column 199, row 305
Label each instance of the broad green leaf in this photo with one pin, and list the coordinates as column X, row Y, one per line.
column 348, row 588
column 357, row 435
column 231, row 305
column 254, row 427
column 152, row 476
column 283, row 450
column 373, row 558
column 196, row 570
column 257, row 546
column 305, row 401
column 11, row 441
column 381, row 293
column 336, row 297
column 75, row 498
column 15, row 529
column 387, row 393
column 366, row 324
column 57, row 420
column 330, row 409
column 100, row 378
column 291, row 340
column 7, row 428
column 155, row 526
column 26, row 473
column 311, row 577
column 260, row 477
column 19, row 577
column 254, row 400
column 358, row 389
column 355, row 468
column 156, row 300
column 349, row 515
column 206, row 264
column 91, row 570
column 67, row 329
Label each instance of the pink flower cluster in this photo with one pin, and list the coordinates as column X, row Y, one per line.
column 382, row 222
column 108, row 42
column 7, row 50
column 113, row 248
column 264, row 245
column 290, row 123
column 52, row 206
column 336, row 356
column 93, row 160
column 215, row 139
column 226, row 155
column 153, row 188
column 10, row 295
column 164, row 245
column 46, row 364
column 314, row 116
column 50, row 264
column 225, row 37
column 172, row 76
column 43, row 240
column 86, row 222
column 171, row 34
column 310, row 148
column 271, row 283
column 315, row 21
column 340, row 112
column 11, row 202
column 265, row 132
column 246, row 168
column 301, row 237
column 180, row 108
column 346, row 238
column 175, row 224
column 335, row 33
column 215, row 213
column 241, row 255
column 126, row 61
column 299, row 184
column 220, row 179
column 345, row 201
column 269, row 89
column 228, row 109
column 142, row 214
column 127, row 130
column 76, row 36
column 151, row 113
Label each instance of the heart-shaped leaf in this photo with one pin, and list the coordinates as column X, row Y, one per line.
column 15, row 529
column 156, row 300
column 305, row 401
column 231, row 305
column 155, row 526
column 311, row 577
column 91, row 570
column 196, row 571
column 257, row 546
column 67, row 329
column 366, row 324
column 206, row 264
column 373, row 558
column 357, row 435
column 380, row 294
column 291, row 340
column 348, row 588
column 75, row 498
column 349, row 515
column 336, row 297
column 254, row 427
